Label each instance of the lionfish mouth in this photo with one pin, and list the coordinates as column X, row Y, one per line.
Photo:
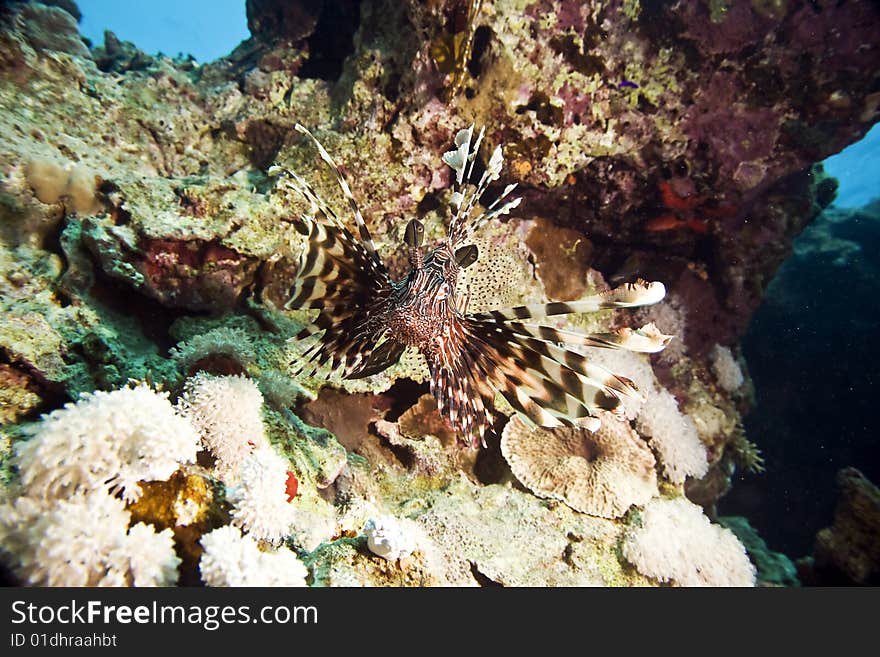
column 362, row 328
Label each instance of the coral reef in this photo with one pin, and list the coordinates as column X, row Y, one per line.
column 142, row 240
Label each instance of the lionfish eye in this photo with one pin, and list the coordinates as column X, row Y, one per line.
column 414, row 234
column 466, row 255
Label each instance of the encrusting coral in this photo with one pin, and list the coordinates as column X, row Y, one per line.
column 601, row 473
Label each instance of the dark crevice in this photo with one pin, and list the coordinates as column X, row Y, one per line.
column 482, row 39
column 332, row 41
column 403, row 454
column 482, row 580
column 405, row 393
column 52, row 239
column 491, row 467
column 153, row 319
column 429, row 202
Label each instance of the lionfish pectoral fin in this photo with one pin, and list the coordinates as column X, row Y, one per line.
column 628, row 295
column 379, row 360
column 550, row 385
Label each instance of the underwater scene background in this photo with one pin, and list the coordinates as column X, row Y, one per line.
column 169, row 237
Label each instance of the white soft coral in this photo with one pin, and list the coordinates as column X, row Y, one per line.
column 84, row 541
column 676, row 543
column 106, row 440
column 227, row 410
column 259, row 498
column 231, row 559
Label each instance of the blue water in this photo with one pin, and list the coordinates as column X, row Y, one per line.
column 857, row 169
column 205, row 29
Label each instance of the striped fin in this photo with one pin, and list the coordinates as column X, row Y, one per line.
column 492, row 212
column 463, row 396
column 550, row 385
column 319, row 205
column 344, row 346
column 647, row 339
column 339, row 278
column 332, row 270
column 366, row 238
column 628, row 295
column 380, row 359
column 462, row 161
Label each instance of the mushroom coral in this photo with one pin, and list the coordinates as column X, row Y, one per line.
column 601, row 474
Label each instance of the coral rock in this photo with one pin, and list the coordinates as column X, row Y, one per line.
column 849, row 550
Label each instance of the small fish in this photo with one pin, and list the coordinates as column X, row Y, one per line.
column 673, row 199
column 629, row 84
column 366, row 320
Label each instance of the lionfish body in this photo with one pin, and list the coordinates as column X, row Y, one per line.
column 366, row 321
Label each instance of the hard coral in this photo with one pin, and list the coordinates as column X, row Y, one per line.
column 53, row 182
column 601, row 473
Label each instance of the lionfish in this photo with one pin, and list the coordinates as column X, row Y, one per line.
column 366, row 320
